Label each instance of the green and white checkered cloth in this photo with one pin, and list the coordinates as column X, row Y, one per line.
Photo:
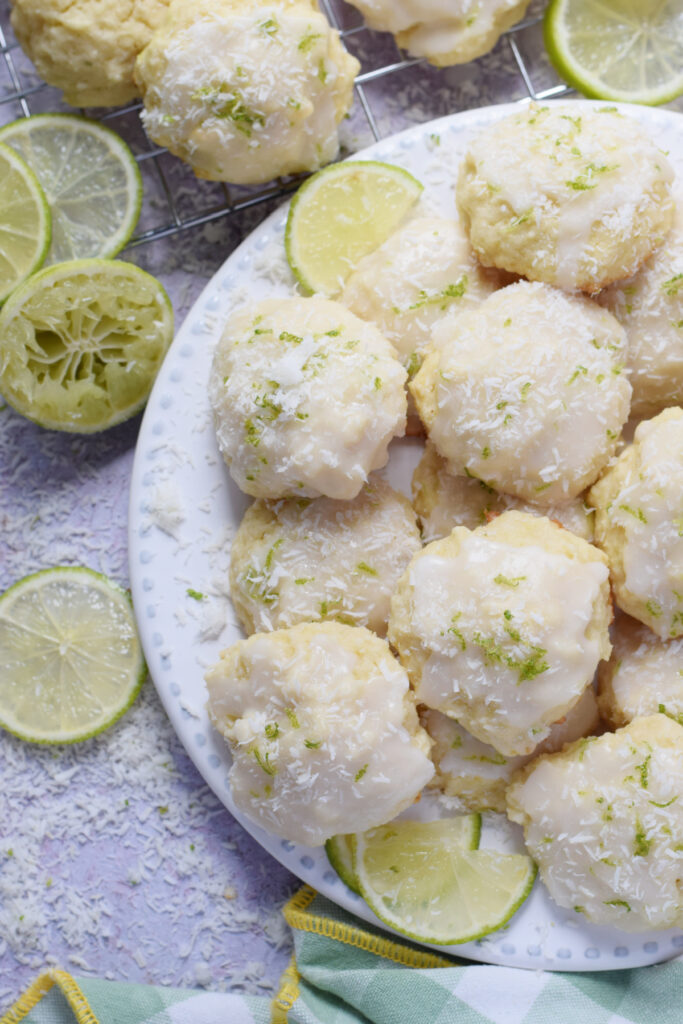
column 347, row 973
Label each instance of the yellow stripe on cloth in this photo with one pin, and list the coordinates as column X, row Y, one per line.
column 297, row 916
column 287, row 994
column 69, row 989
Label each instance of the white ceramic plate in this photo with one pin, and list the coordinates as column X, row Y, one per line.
column 184, row 510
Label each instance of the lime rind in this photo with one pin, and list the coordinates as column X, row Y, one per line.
column 35, row 197
column 483, row 928
column 82, row 342
column 107, row 596
column 86, row 223
column 429, row 887
column 594, row 85
column 476, row 831
column 339, row 852
column 320, row 264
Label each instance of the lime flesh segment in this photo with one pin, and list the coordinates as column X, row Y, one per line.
column 341, row 214
column 626, row 50
column 81, row 343
column 340, row 849
column 24, row 221
column 91, row 180
column 70, row 658
column 419, row 878
column 340, row 855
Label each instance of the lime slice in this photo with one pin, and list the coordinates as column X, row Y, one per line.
column 24, row 221
column 70, row 657
column 340, row 855
column 339, row 849
column 629, row 50
column 81, row 344
column 90, row 178
column 423, row 881
column 341, row 214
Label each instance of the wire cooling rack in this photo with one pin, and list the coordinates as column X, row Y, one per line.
column 393, row 91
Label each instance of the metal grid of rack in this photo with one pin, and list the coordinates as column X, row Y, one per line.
column 382, row 68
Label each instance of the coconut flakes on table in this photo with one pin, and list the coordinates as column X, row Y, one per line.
column 48, row 524
column 69, row 918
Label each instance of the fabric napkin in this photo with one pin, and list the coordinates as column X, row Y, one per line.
column 347, row 973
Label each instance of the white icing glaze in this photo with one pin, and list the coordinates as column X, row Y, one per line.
column 444, row 31
column 325, row 738
column 604, row 821
column 649, row 508
column 643, row 676
column 396, row 15
column 421, row 274
column 246, row 93
column 479, row 774
column 650, row 307
column 306, row 399
column 535, row 420
column 507, row 630
column 565, row 197
column 444, row 501
column 294, row 561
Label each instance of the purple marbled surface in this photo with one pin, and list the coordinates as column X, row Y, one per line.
column 116, row 860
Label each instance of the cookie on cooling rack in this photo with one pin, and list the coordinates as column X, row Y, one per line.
column 300, row 560
column 604, row 822
column 306, row 398
column 526, row 392
column 444, row 31
column 639, row 524
column 87, row 48
column 650, row 307
column 323, row 730
column 243, row 90
column 643, row 675
column 443, row 501
column 568, row 194
column 502, row 627
column 476, row 773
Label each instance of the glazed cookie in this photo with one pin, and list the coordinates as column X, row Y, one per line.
column 443, row 501
column 444, row 31
column 87, row 48
column 535, row 420
column 569, row 194
column 422, row 273
column 303, row 561
column 639, row 524
column 306, row 398
column 650, row 307
column 644, row 675
column 245, row 91
column 502, row 627
column 323, row 730
column 604, row 822
column 476, row 773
